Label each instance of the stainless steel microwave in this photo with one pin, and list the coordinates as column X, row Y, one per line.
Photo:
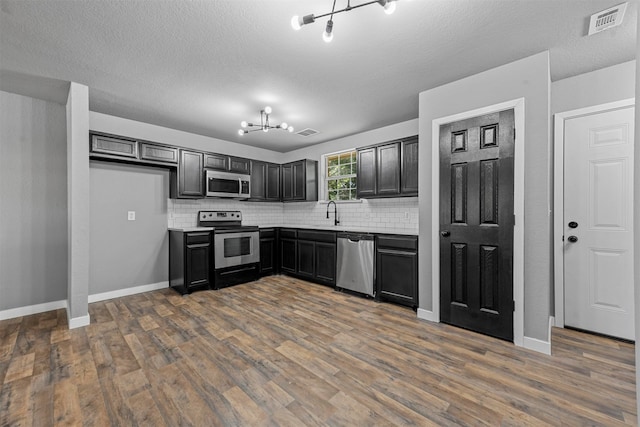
column 227, row 184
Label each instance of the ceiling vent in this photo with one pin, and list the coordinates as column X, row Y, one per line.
column 307, row 132
column 606, row 19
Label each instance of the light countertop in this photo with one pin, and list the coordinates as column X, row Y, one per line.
column 190, row 229
column 373, row 230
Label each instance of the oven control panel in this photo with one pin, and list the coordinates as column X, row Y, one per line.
column 219, row 216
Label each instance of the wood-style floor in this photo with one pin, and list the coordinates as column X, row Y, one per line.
column 286, row 352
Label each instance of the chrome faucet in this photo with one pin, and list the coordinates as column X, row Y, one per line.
column 335, row 212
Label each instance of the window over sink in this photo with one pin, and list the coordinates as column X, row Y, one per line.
column 341, row 176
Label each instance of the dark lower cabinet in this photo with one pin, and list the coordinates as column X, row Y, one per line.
column 306, row 259
column 317, row 256
column 288, row 252
column 397, row 269
column 268, row 251
column 189, row 261
column 325, row 262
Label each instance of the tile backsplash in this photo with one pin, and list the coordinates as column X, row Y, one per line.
column 394, row 214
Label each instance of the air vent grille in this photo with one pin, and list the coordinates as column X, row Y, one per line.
column 307, row 132
column 606, row 19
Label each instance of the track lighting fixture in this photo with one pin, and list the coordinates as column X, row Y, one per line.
column 297, row 22
column 264, row 124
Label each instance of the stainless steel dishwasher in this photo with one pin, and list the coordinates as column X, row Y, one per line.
column 355, row 262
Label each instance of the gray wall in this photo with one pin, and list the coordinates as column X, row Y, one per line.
column 529, row 79
column 124, row 253
column 33, row 201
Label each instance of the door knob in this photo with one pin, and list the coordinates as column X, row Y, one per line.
column 445, row 234
column 572, row 239
column 573, row 224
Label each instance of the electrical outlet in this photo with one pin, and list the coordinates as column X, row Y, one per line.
column 406, row 215
column 131, row 215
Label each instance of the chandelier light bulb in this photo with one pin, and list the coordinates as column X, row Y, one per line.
column 295, row 23
column 284, row 125
column 327, row 36
column 290, row 129
column 243, row 124
column 390, row 7
column 240, row 132
column 267, row 109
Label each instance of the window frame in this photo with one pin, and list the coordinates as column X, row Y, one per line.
column 326, row 178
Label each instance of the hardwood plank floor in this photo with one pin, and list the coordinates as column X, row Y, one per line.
column 281, row 351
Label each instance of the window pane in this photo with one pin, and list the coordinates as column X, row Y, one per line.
column 332, row 161
column 354, row 183
column 333, row 184
column 333, row 171
column 354, row 166
column 333, row 195
column 343, row 183
column 354, row 195
column 345, row 158
column 344, row 194
column 345, row 169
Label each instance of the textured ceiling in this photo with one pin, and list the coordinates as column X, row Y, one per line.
column 204, row 66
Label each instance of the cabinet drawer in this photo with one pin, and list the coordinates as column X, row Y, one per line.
column 408, row 243
column 267, row 233
column 114, row 146
column 317, row 236
column 158, row 153
column 287, row 233
column 195, row 238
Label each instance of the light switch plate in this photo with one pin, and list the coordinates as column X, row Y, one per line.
column 131, row 215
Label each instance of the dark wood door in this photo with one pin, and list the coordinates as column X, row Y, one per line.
column 476, row 224
column 306, row 258
column 267, row 255
column 325, row 262
column 273, row 182
column 287, row 182
column 299, row 181
column 288, row 256
column 216, row 161
column 239, row 165
column 388, row 173
column 366, row 172
column 409, row 169
column 197, row 265
column 258, row 180
column 190, row 180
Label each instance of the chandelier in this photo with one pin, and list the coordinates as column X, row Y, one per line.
column 264, row 124
column 297, row 22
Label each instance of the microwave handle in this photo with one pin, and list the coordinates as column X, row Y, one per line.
column 239, row 185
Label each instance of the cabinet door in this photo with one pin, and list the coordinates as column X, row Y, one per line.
column 267, row 255
column 258, row 180
column 388, row 172
column 397, row 276
column 216, row 161
column 325, row 262
column 119, row 147
column 197, row 265
column 366, row 172
column 299, row 181
column 409, row 169
column 239, row 165
column 306, row 258
column 273, row 182
column 190, row 180
column 287, row 182
column 288, row 255
column 158, row 153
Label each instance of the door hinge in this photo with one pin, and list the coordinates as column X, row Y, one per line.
column 514, row 305
column 514, row 134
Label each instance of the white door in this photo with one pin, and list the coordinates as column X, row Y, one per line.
column 598, row 223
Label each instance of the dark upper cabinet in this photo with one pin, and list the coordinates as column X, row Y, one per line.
column 389, row 169
column 227, row 163
column 366, row 172
column 300, row 181
column 239, row 165
column 190, row 180
column 265, row 181
column 158, row 153
column 258, row 180
column 397, row 269
column 216, row 161
column 409, row 168
column 268, row 251
column 273, row 182
column 111, row 146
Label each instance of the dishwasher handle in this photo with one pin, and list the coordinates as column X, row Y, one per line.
column 355, row 237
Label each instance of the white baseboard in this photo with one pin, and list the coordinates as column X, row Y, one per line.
column 32, row 309
column 427, row 315
column 128, row 291
column 537, row 345
column 78, row 322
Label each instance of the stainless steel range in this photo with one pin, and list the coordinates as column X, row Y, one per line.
column 236, row 247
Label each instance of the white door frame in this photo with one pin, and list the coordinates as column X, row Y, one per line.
column 558, row 198
column 518, row 209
